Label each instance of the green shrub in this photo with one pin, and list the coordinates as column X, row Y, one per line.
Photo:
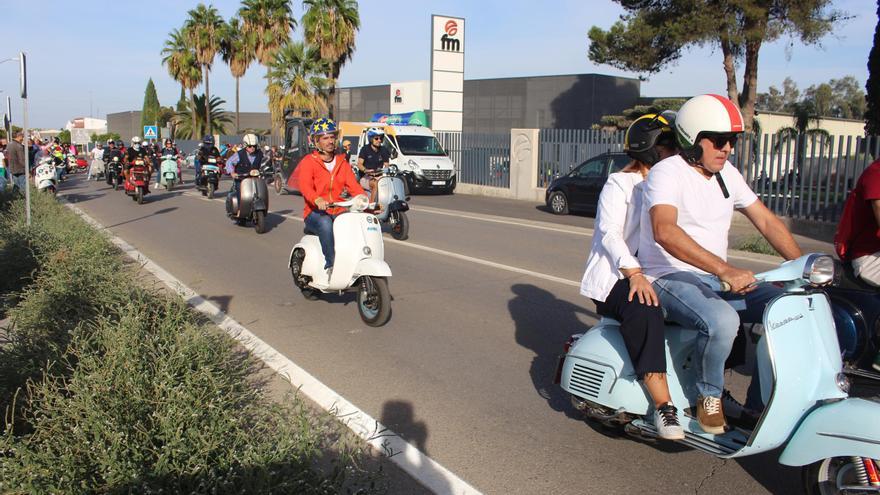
column 110, row 388
column 756, row 244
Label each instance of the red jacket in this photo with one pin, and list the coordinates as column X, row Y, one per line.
column 316, row 182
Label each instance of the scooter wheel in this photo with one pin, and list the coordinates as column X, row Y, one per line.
column 279, row 186
column 260, row 222
column 210, row 191
column 139, row 196
column 374, row 301
column 310, row 294
column 829, row 476
column 399, row 225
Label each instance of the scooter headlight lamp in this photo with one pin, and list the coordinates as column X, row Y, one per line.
column 367, row 251
column 843, row 382
column 819, row 269
column 360, row 203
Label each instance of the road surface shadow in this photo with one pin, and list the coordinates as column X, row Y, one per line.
column 220, row 301
column 73, row 197
column 273, row 220
column 766, row 470
column 543, row 324
column 158, row 212
column 546, row 209
column 399, row 417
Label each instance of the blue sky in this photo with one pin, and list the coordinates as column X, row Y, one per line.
column 97, row 56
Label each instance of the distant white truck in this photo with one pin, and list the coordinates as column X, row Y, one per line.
column 413, row 149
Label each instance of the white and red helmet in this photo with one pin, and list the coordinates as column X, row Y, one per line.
column 706, row 114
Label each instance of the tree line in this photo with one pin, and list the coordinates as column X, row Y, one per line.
column 300, row 76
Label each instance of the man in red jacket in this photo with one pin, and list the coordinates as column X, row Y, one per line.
column 323, row 176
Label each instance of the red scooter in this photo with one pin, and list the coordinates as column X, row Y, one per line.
column 136, row 184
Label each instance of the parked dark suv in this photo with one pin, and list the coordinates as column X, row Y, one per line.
column 579, row 189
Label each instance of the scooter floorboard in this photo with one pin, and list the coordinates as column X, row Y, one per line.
column 719, row 445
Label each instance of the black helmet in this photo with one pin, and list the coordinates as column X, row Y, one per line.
column 119, row 143
column 646, row 132
column 209, row 140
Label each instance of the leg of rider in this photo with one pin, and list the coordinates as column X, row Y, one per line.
column 692, row 304
column 642, row 329
column 322, row 224
column 233, row 193
column 198, row 167
column 374, row 192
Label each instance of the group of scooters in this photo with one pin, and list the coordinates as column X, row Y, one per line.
column 51, row 169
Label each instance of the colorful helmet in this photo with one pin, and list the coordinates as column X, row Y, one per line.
column 646, row 132
column 250, row 140
column 706, row 114
column 208, row 139
column 323, row 126
column 375, row 131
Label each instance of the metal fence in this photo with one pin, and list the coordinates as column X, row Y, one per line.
column 564, row 149
column 806, row 177
column 480, row 159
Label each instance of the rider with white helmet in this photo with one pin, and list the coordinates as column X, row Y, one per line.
column 240, row 164
column 138, row 152
column 372, row 158
column 689, row 203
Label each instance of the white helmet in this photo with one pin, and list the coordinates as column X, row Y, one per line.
column 250, row 139
column 706, row 114
column 135, row 140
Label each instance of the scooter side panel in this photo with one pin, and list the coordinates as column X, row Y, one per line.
column 313, row 264
column 261, row 196
column 844, row 428
column 352, row 232
column 168, row 171
column 798, row 362
column 373, row 267
column 602, row 353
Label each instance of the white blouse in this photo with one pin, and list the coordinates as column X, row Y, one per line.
column 616, row 236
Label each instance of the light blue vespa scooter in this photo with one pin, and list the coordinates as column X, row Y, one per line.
column 835, row 438
column 168, row 171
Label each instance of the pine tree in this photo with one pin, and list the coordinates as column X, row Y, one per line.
column 151, row 108
column 872, row 86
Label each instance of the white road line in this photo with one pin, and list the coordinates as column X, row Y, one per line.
column 580, row 231
column 421, row 467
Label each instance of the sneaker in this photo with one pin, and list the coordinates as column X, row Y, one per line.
column 876, row 364
column 666, row 422
column 710, row 415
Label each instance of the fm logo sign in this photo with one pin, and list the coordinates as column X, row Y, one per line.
column 447, row 42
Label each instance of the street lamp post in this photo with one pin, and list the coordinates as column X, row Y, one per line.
column 22, row 79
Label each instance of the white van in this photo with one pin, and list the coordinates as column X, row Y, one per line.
column 414, row 150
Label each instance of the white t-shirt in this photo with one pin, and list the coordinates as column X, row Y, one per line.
column 703, row 211
column 97, row 153
column 616, row 236
column 329, row 165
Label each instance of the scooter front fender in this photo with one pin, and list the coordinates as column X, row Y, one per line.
column 839, row 429
column 373, row 267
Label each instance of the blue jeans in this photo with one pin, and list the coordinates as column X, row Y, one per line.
column 321, row 223
column 198, row 167
column 690, row 300
column 19, row 182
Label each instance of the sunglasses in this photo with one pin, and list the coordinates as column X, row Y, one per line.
column 378, row 137
column 719, row 140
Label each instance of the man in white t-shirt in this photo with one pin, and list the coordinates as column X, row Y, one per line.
column 689, row 203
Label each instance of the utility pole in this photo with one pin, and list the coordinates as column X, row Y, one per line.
column 22, row 64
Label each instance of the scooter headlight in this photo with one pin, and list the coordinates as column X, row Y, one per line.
column 843, row 382
column 819, row 270
column 392, row 169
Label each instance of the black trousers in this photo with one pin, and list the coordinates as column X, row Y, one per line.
column 641, row 327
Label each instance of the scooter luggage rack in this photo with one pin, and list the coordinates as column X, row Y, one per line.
column 719, row 445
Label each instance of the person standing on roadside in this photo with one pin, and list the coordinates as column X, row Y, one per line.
column 15, row 158
column 2, row 165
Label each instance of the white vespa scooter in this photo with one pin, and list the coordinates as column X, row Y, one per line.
column 45, row 176
column 360, row 263
column 834, row 437
column 392, row 199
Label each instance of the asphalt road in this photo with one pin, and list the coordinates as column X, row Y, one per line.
column 483, row 301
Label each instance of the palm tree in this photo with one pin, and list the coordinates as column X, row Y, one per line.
column 181, row 63
column 270, row 22
column 296, row 81
column 237, row 50
column 204, row 27
column 331, row 25
column 217, row 117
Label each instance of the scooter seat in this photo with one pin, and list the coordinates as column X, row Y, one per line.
column 845, row 278
column 308, row 231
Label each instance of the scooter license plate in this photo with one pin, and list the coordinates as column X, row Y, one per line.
column 438, row 182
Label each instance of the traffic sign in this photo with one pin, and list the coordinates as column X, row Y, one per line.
column 80, row 136
column 151, row 132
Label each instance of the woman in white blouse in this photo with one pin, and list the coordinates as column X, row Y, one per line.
column 613, row 278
